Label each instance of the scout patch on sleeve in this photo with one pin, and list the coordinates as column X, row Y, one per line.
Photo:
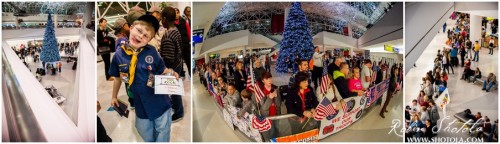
column 149, row 59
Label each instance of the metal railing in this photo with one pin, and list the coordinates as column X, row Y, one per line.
column 22, row 123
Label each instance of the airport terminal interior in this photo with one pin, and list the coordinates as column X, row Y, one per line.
column 422, row 49
column 231, row 29
column 122, row 129
column 46, row 54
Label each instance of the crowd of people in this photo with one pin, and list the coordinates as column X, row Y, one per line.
column 422, row 115
column 147, row 43
column 33, row 51
column 302, row 93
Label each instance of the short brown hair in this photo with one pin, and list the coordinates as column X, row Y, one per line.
column 149, row 27
column 245, row 94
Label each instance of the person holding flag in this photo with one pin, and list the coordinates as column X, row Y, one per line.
column 301, row 100
column 269, row 102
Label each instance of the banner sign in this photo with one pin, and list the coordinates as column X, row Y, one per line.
column 308, row 136
column 344, row 118
column 244, row 124
column 374, row 93
column 443, row 100
column 228, row 118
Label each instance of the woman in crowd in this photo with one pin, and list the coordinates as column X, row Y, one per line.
column 355, row 83
column 420, row 97
column 270, row 105
column 222, row 86
column 428, row 88
column 477, row 74
column 392, row 89
column 332, row 93
column 429, row 127
column 301, row 100
column 415, row 126
column 240, row 76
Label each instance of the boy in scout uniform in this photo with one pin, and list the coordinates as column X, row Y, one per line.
column 135, row 64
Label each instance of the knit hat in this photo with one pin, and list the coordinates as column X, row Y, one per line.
column 119, row 23
column 134, row 13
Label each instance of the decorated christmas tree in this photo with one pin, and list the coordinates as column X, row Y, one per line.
column 50, row 52
column 297, row 39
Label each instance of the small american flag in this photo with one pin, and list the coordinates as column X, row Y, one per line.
column 325, row 108
column 211, row 89
column 344, row 108
column 249, row 83
column 324, row 79
column 261, row 123
column 259, row 95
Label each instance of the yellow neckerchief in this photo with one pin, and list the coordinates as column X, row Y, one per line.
column 133, row 61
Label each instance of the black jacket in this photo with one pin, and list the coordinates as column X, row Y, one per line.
column 343, row 88
column 240, row 84
column 294, row 102
column 186, row 48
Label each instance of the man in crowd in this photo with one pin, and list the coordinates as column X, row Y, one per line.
column 101, row 44
column 258, row 69
column 185, row 30
column 318, row 66
column 366, row 73
column 303, row 67
column 170, row 50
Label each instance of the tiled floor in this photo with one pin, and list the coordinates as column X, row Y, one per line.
column 64, row 82
column 463, row 95
column 209, row 124
column 122, row 129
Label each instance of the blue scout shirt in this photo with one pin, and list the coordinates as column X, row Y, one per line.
column 147, row 104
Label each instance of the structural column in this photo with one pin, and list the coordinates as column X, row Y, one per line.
column 87, row 16
column 475, row 28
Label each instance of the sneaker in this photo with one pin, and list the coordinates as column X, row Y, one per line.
column 483, row 89
column 176, row 119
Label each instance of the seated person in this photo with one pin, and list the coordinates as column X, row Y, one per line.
column 340, row 81
column 477, row 74
column 354, row 82
column 247, row 105
column 492, row 80
column 232, row 97
column 301, row 100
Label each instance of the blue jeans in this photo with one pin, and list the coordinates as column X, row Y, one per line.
column 157, row 130
column 476, row 55
column 489, row 85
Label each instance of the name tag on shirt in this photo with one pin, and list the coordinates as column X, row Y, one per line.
column 168, row 85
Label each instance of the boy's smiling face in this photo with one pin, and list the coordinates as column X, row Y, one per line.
column 140, row 35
